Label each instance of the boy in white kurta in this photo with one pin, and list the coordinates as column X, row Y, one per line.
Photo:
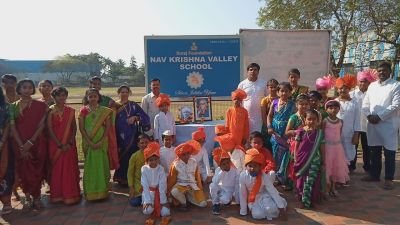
column 167, row 152
column 257, row 192
column 164, row 120
column 236, row 153
column 202, row 156
column 225, row 183
column 154, row 184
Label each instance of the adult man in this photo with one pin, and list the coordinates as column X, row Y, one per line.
column 255, row 89
column 149, row 102
column 202, row 108
column 381, row 107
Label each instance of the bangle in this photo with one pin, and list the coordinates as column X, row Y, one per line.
column 30, row 142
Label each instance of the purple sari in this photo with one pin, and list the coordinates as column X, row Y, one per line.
column 127, row 136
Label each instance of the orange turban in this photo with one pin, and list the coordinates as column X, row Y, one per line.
column 219, row 154
column 220, row 129
column 226, row 142
column 347, row 80
column 191, row 146
column 153, row 148
column 238, row 94
column 161, row 99
column 253, row 155
column 199, row 134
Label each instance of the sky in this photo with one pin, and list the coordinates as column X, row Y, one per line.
column 45, row 29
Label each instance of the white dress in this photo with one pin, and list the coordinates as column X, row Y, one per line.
column 162, row 122
column 224, row 186
column 167, row 156
column 383, row 99
column 267, row 202
column 255, row 93
column 237, row 158
column 350, row 115
column 203, row 163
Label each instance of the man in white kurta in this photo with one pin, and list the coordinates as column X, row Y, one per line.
column 255, row 89
column 381, row 107
column 149, row 105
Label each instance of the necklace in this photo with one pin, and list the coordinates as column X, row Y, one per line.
column 127, row 109
column 281, row 104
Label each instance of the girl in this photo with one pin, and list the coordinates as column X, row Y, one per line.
column 61, row 126
column 350, row 114
column 296, row 121
column 130, row 119
column 294, row 77
column 256, row 142
column 278, row 117
column 164, row 120
column 45, row 87
column 315, row 103
column 27, row 119
column 308, row 160
column 266, row 102
column 335, row 161
column 94, row 124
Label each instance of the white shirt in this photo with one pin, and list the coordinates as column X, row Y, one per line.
column 255, row 93
column 227, row 180
column 383, row 99
column 203, row 162
column 359, row 96
column 153, row 177
column 167, row 156
column 162, row 122
column 149, row 107
column 186, row 173
column 237, row 158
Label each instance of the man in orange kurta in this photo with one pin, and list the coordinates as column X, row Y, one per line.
column 237, row 119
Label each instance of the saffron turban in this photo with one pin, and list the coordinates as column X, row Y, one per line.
column 220, row 129
column 161, row 99
column 199, row 134
column 326, row 82
column 238, row 94
column 219, row 154
column 253, row 155
column 369, row 75
column 191, row 146
column 347, row 80
column 153, row 148
column 226, row 142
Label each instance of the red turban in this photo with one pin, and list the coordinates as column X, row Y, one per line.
column 199, row 134
column 163, row 98
column 347, row 80
column 153, row 148
column 219, row 154
column 238, row 94
column 253, row 155
column 220, row 129
column 191, row 146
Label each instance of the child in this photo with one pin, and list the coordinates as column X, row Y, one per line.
column 294, row 77
column 184, row 181
column 323, row 85
column 94, row 125
column 219, row 129
column 237, row 118
column 256, row 141
column 135, row 163
column 95, row 82
column 315, row 103
column 335, row 161
column 308, row 160
column 167, row 152
column 154, row 185
column 295, row 122
column 9, row 82
column 202, row 156
column 61, row 127
column 266, row 102
column 278, row 117
column 236, row 153
column 349, row 113
column 225, row 183
column 164, row 120
column 45, row 87
column 257, row 192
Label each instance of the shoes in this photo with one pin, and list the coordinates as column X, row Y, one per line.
column 216, row 209
column 388, row 185
column 370, row 179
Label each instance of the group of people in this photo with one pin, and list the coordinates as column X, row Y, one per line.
column 300, row 139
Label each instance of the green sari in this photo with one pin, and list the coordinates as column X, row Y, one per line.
column 96, row 173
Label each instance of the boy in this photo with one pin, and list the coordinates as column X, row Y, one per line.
column 202, row 156
column 167, row 153
column 236, row 153
column 95, row 82
column 225, row 183
column 154, row 185
column 184, row 181
column 164, row 120
column 237, row 119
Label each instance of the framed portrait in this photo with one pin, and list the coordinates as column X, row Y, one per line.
column 185, row 114
column 202, row 109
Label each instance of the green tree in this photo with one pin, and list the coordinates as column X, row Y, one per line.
column 65, row 66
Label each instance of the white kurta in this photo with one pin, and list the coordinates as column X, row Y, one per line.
column 224, row 186
column 350, row 114
column 267, row 202
column 186, row 173
column 255, row 93
column 167, row 156
column 156, row 178
column 237, row 158
column 359, row 96
column 162, row 122
column 150, row 108
column 383, row 99
column 203, row 163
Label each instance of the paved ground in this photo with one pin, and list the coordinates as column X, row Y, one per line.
column 359, row 203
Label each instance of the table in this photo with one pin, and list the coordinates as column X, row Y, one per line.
column 184, row 132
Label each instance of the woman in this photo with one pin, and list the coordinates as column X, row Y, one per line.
column 45, row 87
column 27, row 120
column 61, row 127
column 130, row 118
column 94, row 125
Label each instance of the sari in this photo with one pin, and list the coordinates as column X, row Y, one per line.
column 266, row 103
column 297, row 123
column 31, row 171
column 127, row 136
column 279, row 141
column 96, row 174
column 64, row 182
column 6, row 157
column 308, row 166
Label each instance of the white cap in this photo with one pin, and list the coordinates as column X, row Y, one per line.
column 167, row 133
